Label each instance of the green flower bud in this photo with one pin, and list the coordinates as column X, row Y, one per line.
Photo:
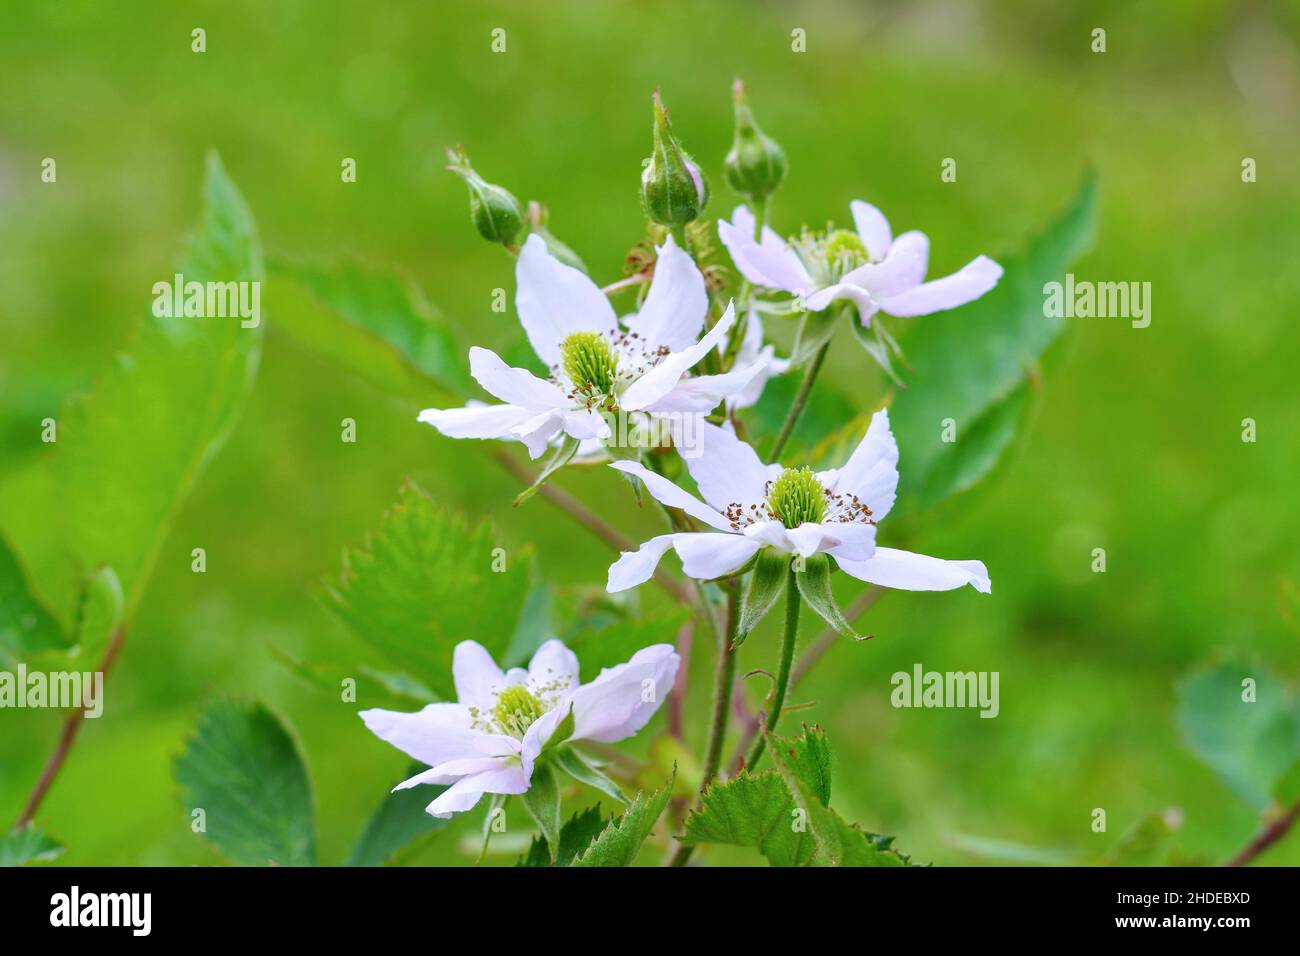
column 493, row 210
column 755, row 166
column 673, row 190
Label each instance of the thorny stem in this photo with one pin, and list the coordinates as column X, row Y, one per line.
column 807, row 661
column 800, row 400
column 724, row 678
column 589, row 520
column 1267, row 837
column 783, row 671
column 66, row 739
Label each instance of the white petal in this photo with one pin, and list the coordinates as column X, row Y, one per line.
column 847, row 288
column 465, row 793
column 553, row 669
column 668, row 493
column 450, row 771
column 902, row 269
column 703, row 393
column 637, row 567
column 536, row 433
column 676, row 305
column 810, row 538
column 857, row 541
column 586, row 424
column 438, row 733
column 714, row 555
column 871, row 472
column 517, row 386
column 969, row 283
column 476, row 676
column 771, row 263
column 872, row 227
column 659, row 381
column 622, row 699
column 480, row 421
column 770, row 533
column 727, row 470
column 555, row 300
column 891, row 568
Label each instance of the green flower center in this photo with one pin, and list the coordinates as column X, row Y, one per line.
column 589, row 361
column 845, row 251
column 516, row 710
column 797, row 497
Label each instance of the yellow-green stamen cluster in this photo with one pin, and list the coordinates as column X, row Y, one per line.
column 797, row 497
column 829, row 255
column 589, row 361
column 516, row 710
column 845, row 251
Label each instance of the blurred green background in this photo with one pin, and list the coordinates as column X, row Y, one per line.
column 1135, row 447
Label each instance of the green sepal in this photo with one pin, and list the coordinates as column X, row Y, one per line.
column 877, row 347
column 563, row 731
column 542, row 800
column 815, row 330
column 497, row 802
column 581, row 769
column 562, row 455
column 766, row 584
column 815, row 585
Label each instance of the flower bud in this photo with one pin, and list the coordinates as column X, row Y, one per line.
column 493, row 210
column 756, row 165
column 673, row 190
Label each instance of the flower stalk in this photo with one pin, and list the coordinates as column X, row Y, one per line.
column 788, row 642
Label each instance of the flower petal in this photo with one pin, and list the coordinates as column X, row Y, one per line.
column 555, row 300
column 449, row 771
column 849, row 288
column 553, row 669
column 891, row 568
column 872, row 227
column 771, row 263
column 438, row 733
column 812, row 537
column 476, row 676
column 712, row 554
column 669, row 494
column 637, row 567
column 517, row 386
column 703, row 393
column 659, row 381
column 969, row 283
column 622, row 699
column 727, row 470
column 508, row 778
column 676, row 305
column 857, row 541
column 871, row 472
column 478, row 421
column 770, row 533
column 902, row 269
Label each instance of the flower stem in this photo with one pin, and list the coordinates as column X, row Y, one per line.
column 800, row 400
column 783, row 670
column 1267, row 837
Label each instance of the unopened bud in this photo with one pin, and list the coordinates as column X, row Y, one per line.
column 756, row 164
column 673, row 190
column 493, row 210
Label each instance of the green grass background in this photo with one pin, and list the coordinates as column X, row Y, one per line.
column 1135, row 447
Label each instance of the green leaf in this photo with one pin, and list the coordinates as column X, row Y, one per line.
column 766, row 583
column 99, row 613
column 26, row 626
column 620, row 841
column 398, row 822
column 420, row 584
column 758, row 810
column 130, row 452
column 1250, row 744
column 542, row 800
column 577, row 765
column 814, row 583
column 837, row 843
column 1146, row 843
column 374, row 322
column 970, row 360
column 1287, row 789
column 561, row 456
column 28, row 845
column 575, row 836
column 246, row 774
